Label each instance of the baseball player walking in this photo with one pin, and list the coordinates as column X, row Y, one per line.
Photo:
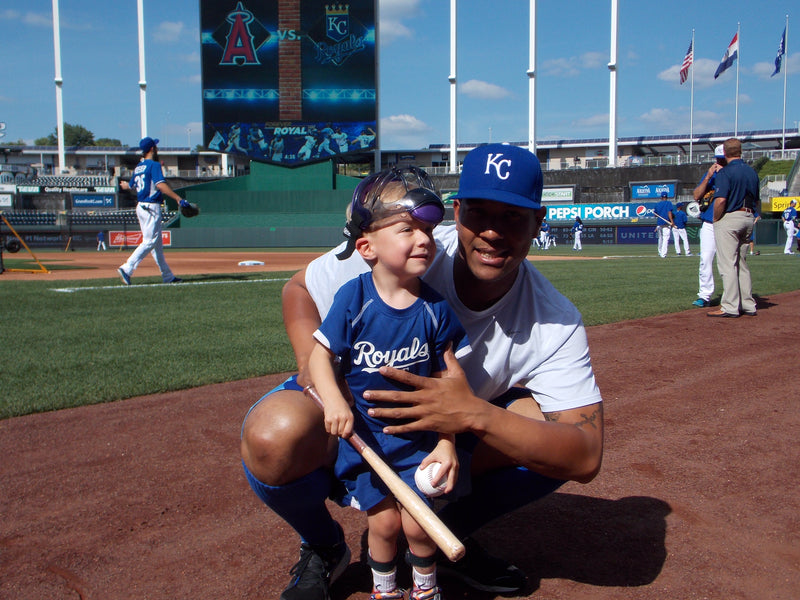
column 788, row 217
column 664, row 225
column 150, row 185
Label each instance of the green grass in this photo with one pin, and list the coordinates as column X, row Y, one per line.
column 102, row 341
column 98, row 341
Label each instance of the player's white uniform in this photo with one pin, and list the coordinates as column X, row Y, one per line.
column 341, row 141
column 305, row 152
column 788, row 216
column 533, row 336
column 577, row 231
column 145, row 180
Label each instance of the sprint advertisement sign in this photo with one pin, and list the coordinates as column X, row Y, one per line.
column 628, row 211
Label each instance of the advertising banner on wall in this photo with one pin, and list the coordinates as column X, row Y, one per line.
column 289, row 81
column 134, row 238
column 627, row 211
column 644, row 191
column 93, row 201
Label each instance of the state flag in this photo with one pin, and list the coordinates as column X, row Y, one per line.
column 731, row 54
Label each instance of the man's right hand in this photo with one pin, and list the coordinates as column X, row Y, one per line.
column 443, row 404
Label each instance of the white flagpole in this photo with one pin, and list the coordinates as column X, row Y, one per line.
column 738, row 62
column 785, row 60
column 691, row 102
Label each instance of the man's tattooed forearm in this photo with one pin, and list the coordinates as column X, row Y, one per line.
column 590, row 419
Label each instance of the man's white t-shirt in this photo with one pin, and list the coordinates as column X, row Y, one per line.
column 533, row 336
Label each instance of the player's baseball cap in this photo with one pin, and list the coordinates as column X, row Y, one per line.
column 663, row 194
column 503, row 173
column 146, row 144
column 719, row 152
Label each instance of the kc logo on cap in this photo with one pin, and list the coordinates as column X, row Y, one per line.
column 503, row 173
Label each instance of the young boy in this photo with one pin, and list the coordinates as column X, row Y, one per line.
column 388, row 316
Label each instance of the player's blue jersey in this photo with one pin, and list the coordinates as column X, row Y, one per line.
column 544, row 228
column 680, row 219
column 790, row 214
column 662, row 209
column 577, row 227
column 145, row 180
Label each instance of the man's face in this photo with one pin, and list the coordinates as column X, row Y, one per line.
column 494, row 238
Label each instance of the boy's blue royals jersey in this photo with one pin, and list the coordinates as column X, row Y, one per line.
column 145, row 180
column 365, row 333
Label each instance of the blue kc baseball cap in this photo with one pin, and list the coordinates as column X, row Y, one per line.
column 146, row 144
column 503, row 173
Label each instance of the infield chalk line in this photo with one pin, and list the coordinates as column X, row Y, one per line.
column 70, row 290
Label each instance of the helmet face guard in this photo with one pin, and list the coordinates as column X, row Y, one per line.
column 419, row 200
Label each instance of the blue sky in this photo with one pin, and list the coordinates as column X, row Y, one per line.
column 99, row 50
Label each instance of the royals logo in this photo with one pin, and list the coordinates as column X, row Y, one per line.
column 336, row 41
column 337, row 21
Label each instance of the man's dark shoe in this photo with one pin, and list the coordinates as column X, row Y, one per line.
column 316, row 570
column 484, row 572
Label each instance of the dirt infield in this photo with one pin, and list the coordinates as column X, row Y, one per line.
column 97, row 265
column 697, row 498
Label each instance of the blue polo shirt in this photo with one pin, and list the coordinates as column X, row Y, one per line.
column 738, row 184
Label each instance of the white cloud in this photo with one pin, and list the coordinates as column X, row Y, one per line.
column 38, row 20
column 677, row 120
column 591, row 122
column 168, row 31
column 561, row 67
column 764, row 70
column 704, row 69
column 403, row 131
column 483, row 90
column 593, row 60
column 392, row 15
column 399, row 124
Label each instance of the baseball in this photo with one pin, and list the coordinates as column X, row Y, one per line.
column 425, row 478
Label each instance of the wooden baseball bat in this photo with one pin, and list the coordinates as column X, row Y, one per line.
column 416, row 507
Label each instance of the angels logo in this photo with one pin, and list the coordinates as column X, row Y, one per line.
column 244, row 37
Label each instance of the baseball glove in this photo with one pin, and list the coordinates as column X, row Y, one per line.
column 706, row 200
column 189, row 209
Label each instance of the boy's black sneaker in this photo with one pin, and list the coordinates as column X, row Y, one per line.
column 484, row 572
column 316, row 570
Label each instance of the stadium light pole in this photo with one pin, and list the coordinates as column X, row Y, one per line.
column 612, row 68
column 59, row 83
column 142, row 81
column 452, row 79
column 532, row 79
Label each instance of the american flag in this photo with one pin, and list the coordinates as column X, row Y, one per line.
column 687, row 62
